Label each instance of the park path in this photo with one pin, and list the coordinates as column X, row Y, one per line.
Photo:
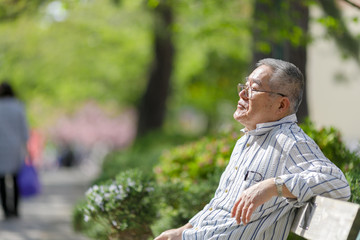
column 47, row 216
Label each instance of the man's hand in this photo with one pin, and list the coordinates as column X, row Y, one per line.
column 173, row 234
column 251, row 198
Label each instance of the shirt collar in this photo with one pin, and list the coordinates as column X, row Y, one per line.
column 263, row 128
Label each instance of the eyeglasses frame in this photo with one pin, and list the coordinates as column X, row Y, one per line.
column 241, row 87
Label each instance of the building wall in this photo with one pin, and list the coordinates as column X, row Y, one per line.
column 334, row 82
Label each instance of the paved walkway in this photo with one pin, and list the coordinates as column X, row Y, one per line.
column 48, row 215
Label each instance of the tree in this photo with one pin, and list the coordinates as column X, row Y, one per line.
column 208, row 34
column 280, row 30
column 98, row 53
column 211, row 39
column 152, row 108
column 12, row 9
column 338, row 30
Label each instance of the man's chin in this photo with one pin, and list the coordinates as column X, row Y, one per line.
column 238, row 115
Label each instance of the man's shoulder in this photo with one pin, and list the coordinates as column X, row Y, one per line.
column 293, row 134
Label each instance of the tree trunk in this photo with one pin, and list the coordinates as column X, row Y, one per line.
column 152, row 108
column 264, row 14
column 298, row 55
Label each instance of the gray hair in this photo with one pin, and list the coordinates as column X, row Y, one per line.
column 286, row 79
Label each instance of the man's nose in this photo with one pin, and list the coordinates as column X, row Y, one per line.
column 243, row 94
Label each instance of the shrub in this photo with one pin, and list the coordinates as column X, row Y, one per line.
column 143, row 155
column 194, row 162
column 353, row 177
column 179, row 205
column 123, row 208
column 331, row 144
column 188, row 176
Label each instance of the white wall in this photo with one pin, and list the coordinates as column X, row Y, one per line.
column 334, row 103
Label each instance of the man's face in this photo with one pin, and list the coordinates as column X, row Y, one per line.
column 260, row 107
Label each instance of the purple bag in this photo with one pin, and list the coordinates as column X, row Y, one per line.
column 28, row 181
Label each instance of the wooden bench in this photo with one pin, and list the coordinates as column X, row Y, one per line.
column 328, row 219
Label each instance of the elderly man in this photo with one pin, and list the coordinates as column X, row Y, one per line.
column 274, row 168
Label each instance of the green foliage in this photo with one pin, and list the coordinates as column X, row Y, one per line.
column 124, row 207
column 331, row 144
column 213, row 53
column 293, row 236
column 97, row 52
column 10, row 10
column 143, row 154
column 337, row 27
column 353, row 177
column 178, row 206
column 194, row 162
column 278, row 22
column 118, row 161
column 218, row 81
column 94, row 230
column 188, row 176
column 102, row 50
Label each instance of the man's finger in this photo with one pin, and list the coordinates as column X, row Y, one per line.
column 249, row 213
column 239, row 211
column 234, row 209
column 244, row 213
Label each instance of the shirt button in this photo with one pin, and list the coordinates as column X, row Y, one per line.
column 248, row 145
column 236, row 168
column 210, row 209
column 226, row 190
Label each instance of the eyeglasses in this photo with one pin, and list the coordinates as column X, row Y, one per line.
column 252, row 175
column 249, row 90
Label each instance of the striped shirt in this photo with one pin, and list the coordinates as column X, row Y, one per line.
column 273, row 149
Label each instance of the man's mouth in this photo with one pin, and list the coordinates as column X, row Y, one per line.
column 240, row 105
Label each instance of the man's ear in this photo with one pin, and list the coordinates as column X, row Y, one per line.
column 284, row 105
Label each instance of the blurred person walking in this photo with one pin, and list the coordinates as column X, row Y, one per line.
column 13, row 139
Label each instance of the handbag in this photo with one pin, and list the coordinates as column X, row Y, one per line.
column 28, row 181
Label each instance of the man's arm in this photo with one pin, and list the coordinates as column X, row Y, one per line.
column 309, row 173
column 255, row 196
column 173, row 234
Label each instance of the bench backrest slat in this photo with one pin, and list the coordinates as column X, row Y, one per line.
column 329, row 219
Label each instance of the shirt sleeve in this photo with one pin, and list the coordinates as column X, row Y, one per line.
column 307, row 173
